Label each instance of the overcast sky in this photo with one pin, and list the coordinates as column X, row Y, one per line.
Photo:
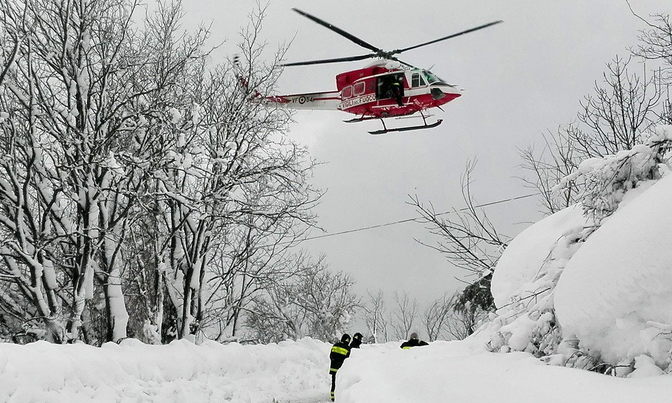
column 521, row 79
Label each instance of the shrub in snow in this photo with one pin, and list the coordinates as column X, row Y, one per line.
column 591, row 286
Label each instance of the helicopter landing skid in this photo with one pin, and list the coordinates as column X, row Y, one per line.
column 385, row 130
column 362, row 119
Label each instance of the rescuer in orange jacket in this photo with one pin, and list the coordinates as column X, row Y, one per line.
column 339, row 352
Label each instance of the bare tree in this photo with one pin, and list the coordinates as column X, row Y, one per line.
column 404, row 315
column 253, row 255
column 437, row 316
column 456, row 317
column 313, row 302
column 616, row 116
column 463, row 323
column 469, row 240
column 620, row 110
column 374, row 316
column 656, row 44
column 557, row 159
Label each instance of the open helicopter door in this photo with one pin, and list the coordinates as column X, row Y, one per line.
column 390, row 86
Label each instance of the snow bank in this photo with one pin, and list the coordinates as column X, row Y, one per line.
column 620, row 280
column 297, row 372
column 519, row 265
column 595, row 293
column 524, row 282
column 179, row 372
column 464, row 372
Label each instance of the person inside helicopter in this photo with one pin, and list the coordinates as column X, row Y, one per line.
column 391, row 86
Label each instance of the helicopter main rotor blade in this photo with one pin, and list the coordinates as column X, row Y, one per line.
column 335, row 60
column 339, row 31
column 446, row 37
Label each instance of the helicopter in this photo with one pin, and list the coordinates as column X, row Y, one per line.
column 387, row 88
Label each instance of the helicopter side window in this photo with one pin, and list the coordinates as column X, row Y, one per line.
column 359, row 88
column 346, row 92
column 416, row 80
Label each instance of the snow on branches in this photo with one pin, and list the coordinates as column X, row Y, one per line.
column 606, row 180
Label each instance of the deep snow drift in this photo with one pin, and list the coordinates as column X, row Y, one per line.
column 297, row 372
column 595, row 289
column 619, row 284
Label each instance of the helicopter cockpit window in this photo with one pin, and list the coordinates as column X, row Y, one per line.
column 431, row 78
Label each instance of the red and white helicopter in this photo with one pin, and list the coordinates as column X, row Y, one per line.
column 385, row 89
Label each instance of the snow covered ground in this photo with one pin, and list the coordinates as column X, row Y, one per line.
column 297, row 372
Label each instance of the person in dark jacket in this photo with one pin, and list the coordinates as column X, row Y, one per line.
column 397, row 90
column 339, row 352
column 356, row 340
column 413, row 342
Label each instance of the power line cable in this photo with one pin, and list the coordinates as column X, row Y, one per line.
column 350, row 231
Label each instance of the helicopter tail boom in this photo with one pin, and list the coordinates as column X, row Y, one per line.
column 315, row 100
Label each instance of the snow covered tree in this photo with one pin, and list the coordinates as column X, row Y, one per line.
column 526, row 291
column 605, row 181
column 131, row 169
column 609, row 151
column 617, row 146
column 70, row 99
column 231, row 179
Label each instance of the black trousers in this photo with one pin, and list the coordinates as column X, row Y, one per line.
column 333, row 384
